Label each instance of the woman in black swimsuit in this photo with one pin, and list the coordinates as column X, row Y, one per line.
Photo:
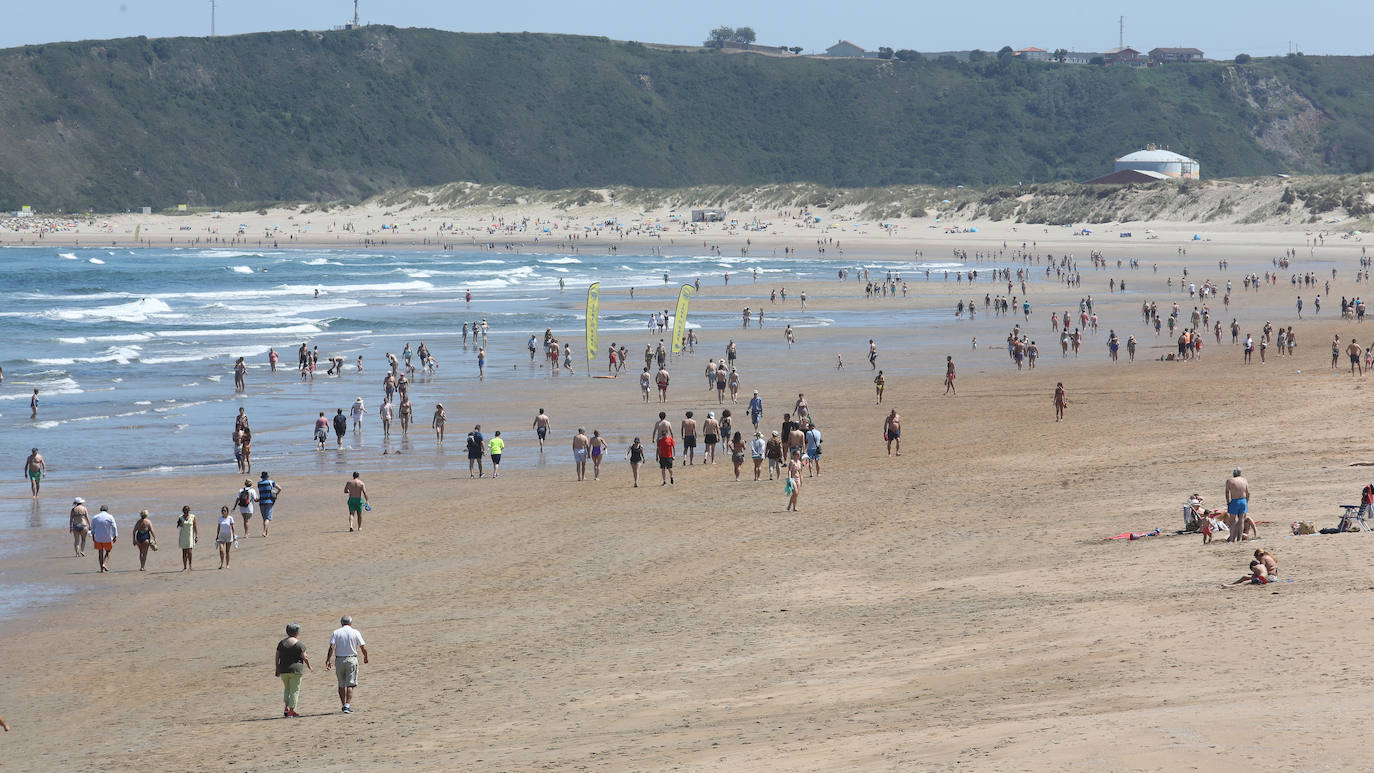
column 144, row 536
column 636, row 456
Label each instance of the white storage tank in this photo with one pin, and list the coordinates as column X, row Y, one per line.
column 1164, row 162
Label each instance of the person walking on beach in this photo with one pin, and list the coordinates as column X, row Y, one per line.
column 356, row 413
column 385, row 413
column 440, row 418
column 226, row 535
column 542, row 421
column 345, row 644
column 664, row 447
column 35, row 467
column 290, row 664
column 240, row 368
column 688, row 431
column 878, row 383
column 949, row 375
column 356, row 492
column 793, row 486
column 268, row 491
column 598, row 450
column 340, row 427
column 635, row 455
column 1355, row 350
column 872, row 354
column 187, row 535
column 475, row 446
column 144, row 537
column 772, row 450
column 892, row 432
column 496, row 446
column 79, row 524
column 1060, row 401
column 321, row 430
column 104, row 534
column 757, row 450
column 662, row 380
column 1237, row 491
column 244, row 499
column 580, row 446
column 755, row 409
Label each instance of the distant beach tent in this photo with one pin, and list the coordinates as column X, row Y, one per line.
column 708, row 215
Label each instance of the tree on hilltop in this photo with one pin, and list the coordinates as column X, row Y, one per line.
column 1060, row 54
column 722, row 35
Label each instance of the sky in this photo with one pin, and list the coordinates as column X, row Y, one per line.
column 1221, row 28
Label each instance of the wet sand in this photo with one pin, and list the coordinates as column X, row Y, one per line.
column 953, row 608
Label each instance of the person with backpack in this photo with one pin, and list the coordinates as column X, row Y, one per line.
column 245, row 499
column 475, row 444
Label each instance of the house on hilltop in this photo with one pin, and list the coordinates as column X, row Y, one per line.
column 1127, row 56
column 845, row 49
column 1033, row 54
column 1169, row 55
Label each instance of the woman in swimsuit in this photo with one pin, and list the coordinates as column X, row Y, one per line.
column 635, row 453
column 737, row 453
column 734, row 386
column 725, row 423
column 793, row 486
column 143, row 537
column 598, row 448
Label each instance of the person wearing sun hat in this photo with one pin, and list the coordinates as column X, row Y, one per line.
column 757, row 448
column 79, row 526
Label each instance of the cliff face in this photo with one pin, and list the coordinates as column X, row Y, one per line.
column 309, row 116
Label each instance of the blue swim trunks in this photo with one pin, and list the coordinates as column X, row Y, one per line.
column 1236, row 506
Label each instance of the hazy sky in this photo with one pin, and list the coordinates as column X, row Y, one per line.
column 1222, row 28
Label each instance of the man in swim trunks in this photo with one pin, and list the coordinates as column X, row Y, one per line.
column 104, row 533
column 35, row 468
column 664, row 448
column 662, row 427
column 580, row 445
column 268, row 491
column 1237, row 505
column 892, row 432
column 689, row 438
column 476, row 446
column 357, row 500
column 949, row 375
column 662, row 380
column 541, row 428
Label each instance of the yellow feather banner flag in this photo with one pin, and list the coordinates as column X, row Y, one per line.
column 593, row 314
column 680, row 318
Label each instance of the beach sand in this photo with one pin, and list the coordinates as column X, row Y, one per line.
column 952, row 608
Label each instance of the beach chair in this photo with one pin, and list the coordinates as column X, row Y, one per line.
column 1350, row 515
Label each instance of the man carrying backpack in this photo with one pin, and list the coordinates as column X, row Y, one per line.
column 245, row 499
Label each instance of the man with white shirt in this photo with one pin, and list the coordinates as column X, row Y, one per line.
column 344, row 645
column 104, row 532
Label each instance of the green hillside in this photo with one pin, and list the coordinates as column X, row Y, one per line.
column 310, row 116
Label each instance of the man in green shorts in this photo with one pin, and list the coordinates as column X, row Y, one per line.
column 35, row 467
column 357, row 500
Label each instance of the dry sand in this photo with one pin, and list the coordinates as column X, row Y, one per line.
column 952, row 609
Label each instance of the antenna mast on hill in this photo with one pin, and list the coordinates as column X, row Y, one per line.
column 1121, row 32
column 212, row 18
column 355, row 13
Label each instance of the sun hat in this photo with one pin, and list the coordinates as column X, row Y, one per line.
column 78, row 501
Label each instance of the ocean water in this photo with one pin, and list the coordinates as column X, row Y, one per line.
column 132, row 351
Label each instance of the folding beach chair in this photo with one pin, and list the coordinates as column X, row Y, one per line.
column 1351, row 514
